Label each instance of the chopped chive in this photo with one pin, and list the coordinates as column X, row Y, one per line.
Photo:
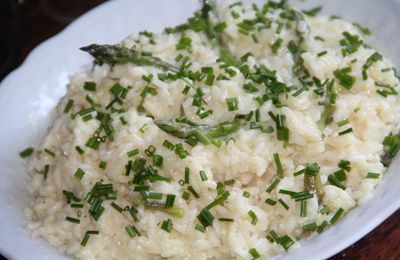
column 276, row 45
column 86, row 111
column 132, row 231
column 300, row 172
column 255, row 39
column 68, row 106
column 334, row 181
column 312, row 169
column 282, row 131
column 76, row 205
column 322, row 226
column 144, row 128
column 203, row 175
column 93, row 143
column 70, row 196
column 322, row 53
column 168, row 145
column 133, row 212
column 262, row 127
column 340, row 175
column 279, row 168
column 343, row 122
column 232, row 103
column 26, row 153
column 254, row 253
column 324, row 210
column 274, row 236
column 253, row 216
column 287, row 192
column 270, row 239
column 89, row 86
column 300, row 196
column 312, row 12
column 286, row 242
column 250, row 87
column 319, row 38
column 345, row 165
column 116, row 89
column 226, row 219
column 167, row 225
column 187, row 175
column 133, row 152
column 200, row 228
column 116, row 206
column 270, row 201
column 180, row 151
column 303, row 208
column 150, row 151
column 373, row 175
column 375, row 57
column 362, row 29
column 103, row 165
column 336, row 216
column 96, row 210
column 235, row 14
column 79, row 173
column 158, row 160
column 193, row 191
column 273, row 185
column 205, row 217
column 79, row 150
column 345, row 79
column 186, row 90
column 46, row 171
column 310, row 227
column 185, row 195
column 229, row 182
column 87, row 118
column 349, row 130
column 221, row 198
column 87, row 235
column 257, row 115
column 51, row 153
column 246, row 194
column 169, row 202
column 284, row 205
column 128, row 167
column 123, row 120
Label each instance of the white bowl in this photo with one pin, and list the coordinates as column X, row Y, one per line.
column 29, row 95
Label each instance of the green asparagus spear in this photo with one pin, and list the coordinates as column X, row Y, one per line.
column 117, row 54
column 329, row 105
column 204, row 133
column 214, row 37
column 391, row 145
column 314, row 184
column 302, row 27
column 302, row 31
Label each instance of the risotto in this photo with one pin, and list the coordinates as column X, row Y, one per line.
column 233, row 135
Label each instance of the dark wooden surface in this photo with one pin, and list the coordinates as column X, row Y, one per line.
column 25, row 24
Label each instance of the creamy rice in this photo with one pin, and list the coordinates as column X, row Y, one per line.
column 244, row 162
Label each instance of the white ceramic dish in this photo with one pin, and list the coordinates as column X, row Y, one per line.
column 29, row 95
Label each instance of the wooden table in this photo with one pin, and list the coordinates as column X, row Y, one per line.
column 28, row 24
